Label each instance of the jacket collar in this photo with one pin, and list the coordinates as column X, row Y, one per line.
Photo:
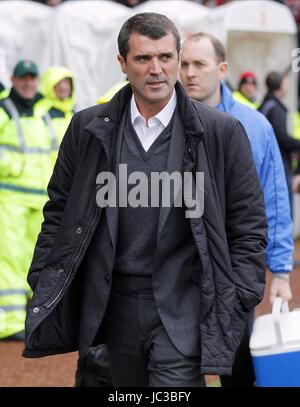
column 110, row 114
column 190, row 117
column 271, row 96
column 227, row 100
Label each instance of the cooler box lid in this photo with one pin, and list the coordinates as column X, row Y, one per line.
column 279, row 331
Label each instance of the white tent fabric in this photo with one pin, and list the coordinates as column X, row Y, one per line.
column 185, row 14
column 250, row 15
column 23, row 34
column 85, row 40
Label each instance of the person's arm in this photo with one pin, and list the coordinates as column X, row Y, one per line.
column 280, row 233
column 246, row 223
column 58, row 191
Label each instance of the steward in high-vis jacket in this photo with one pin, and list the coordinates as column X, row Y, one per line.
column 25, row 169
column 246, row 90
column 57, row 105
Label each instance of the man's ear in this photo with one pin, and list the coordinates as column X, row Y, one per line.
column 122, row 62
column 223, row 68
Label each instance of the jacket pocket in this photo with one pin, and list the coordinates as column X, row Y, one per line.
column 48, row 285
column 246, row 300
column 239, row 320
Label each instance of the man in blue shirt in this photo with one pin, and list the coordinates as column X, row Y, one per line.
column 203, row 68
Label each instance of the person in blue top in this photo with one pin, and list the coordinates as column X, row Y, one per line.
column 203, row 68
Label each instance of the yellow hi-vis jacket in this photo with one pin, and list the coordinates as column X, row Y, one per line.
column 111, row 92
column 297, row 125
column 239, row 97
column 25, row 156
column 58, row 111
column 4, row 94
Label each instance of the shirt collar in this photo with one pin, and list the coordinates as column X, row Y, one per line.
column 164, row 116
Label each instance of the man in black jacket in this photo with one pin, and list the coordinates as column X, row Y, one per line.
column 276, row 112
column 164, row 282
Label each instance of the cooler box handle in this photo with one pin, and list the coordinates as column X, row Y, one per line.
column 279, row 305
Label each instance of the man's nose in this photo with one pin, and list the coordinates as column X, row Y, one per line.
column 190, row 71
column 29, row 83
column 155, row 66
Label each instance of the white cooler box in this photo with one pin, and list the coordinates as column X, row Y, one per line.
column 275, row 347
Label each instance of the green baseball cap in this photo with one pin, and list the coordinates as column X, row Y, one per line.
column 25, row 67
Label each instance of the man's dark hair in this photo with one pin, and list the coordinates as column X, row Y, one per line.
column 151, row 25
column 273, row 81
column 218, row 47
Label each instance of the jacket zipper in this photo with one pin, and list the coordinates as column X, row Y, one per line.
column 74, row 261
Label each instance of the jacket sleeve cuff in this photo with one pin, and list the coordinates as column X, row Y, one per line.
column 282, row 276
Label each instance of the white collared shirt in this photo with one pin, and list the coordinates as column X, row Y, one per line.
column 148, row 134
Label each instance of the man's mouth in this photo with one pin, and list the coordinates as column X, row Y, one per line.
column 155, row 83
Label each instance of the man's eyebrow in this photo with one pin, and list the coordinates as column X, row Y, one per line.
column 163, row 54
column 194, row 61
column 166, row 54
column 142, row 56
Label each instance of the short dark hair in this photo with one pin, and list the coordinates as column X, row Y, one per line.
column 151, row 25
column 274, row 80
column 218, row 47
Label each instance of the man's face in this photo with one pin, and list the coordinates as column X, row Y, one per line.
column 152, row 68
column 248, row 89
column 200, row 71
column 26, row 86
column 63, row 89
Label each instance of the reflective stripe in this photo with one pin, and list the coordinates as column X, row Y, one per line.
column 13, row 292
column 52, row 132
column 16, row 188
column 7, row 308
column 23, row 148
column 27, row 150
column 16, row 117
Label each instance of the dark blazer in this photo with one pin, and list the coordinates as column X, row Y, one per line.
column 71, row 286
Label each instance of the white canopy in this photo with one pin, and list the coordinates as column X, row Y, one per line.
column 185, row 14
column 85, row 40
column 251, row 15
column 23, row 34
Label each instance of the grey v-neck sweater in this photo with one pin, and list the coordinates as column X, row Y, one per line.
column 137, row 229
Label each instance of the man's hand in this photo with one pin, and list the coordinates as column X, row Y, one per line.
column 280, row 287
